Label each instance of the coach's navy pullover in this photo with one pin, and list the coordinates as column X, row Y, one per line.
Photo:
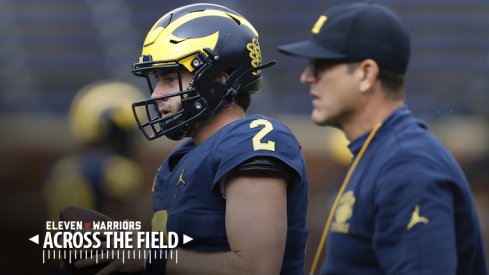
column 407, row 209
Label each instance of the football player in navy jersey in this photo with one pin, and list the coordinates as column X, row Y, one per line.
column 101, row 174
column 238, row 184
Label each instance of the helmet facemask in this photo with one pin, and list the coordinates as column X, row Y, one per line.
column 206, row 40
column 175, row 125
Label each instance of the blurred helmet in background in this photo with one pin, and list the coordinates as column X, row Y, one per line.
column 101, row 112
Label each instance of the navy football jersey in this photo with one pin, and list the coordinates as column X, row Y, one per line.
column 187, row 197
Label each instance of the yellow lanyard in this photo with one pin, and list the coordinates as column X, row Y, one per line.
column 322, row 242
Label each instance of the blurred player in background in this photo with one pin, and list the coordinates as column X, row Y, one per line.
column 238, row 184
column 405, row 206
column 100, row 175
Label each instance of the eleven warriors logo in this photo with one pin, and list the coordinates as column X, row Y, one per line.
column 71, row 241
column 255, row 54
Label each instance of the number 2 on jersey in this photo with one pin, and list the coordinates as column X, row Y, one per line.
column 257, row 139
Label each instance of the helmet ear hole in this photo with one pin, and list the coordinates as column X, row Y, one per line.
column 222, row 77
column 213, row 90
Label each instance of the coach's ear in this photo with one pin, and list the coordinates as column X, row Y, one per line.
column 368, row 71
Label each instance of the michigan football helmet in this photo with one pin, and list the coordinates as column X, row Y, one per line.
column 204, row 39
column 101, row 112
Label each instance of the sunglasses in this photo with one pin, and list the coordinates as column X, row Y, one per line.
column 319, row 65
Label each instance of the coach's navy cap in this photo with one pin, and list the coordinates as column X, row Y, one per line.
column 355, row 32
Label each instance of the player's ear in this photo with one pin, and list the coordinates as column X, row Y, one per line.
column 221, row 77
column 368, row 71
